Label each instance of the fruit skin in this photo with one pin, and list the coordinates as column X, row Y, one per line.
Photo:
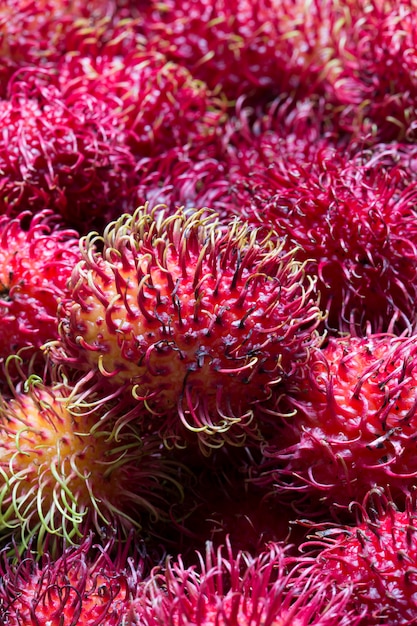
column 145, row 94
column 227, row 589
column 87, row 585
column 350, row 425
column 64, row 474
column 196, row 319
column 375, row 559
column 372, row 85
column 36, row 260
column 65, row 156
column 250, row 47
column 350, row 210
column 35, row 34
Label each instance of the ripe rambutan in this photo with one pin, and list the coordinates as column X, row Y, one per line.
column 38, row 33
column 85, row 586
column 70, row 159
column 372, row 84
column 251, row 47
column 63, row 474
column 188, row 177
column 351, row 212
column 36, row 260
column 224, row 589
column 197, row 319
column 146, row 94
column 376, row 560
column 352, row 423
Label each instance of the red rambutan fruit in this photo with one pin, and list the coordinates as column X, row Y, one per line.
column 38, row 32
column 63, row 474
column 224, row 589
column 372, row 84
column 36, row 260
column 70, row 159
column 146, row 94
column 197, row 319
column 85, row 586
column 186, row 177
column 350, row 211
column 375, row 559
column 247, row 47
column 352, row 423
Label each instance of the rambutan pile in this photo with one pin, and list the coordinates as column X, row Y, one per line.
column 208, row 319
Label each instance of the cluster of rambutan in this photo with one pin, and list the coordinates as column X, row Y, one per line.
column 208, row 337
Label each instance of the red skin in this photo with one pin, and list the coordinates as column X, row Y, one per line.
column 227, row 588
column 36, row 261
column 376, row 561
column 82, row 587
column 198, row 321
column 373, row 84
column 351, row 424
column 351, row 211
column 68, row 158
column 146, row 95
column 260, row 48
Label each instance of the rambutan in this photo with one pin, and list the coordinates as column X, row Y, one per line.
column 371, row 83
column 63, row 474
column 197, row 319
column 36, row 261
column 224, row 589
column 350, row 211
column 85, row 586
column 66, row 158
column 256, row 48
column 146, row 94
column 38, row 33
column 375, row 559
column 351, row 425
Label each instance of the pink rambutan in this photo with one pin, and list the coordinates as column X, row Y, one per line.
column 70, row 159
column 188, row 177
column 375, row 559
column 224, row 589
column 36, row 260
column 146, row 94
column 85, row 586
column 350, row 211
column 199, row 320
column 372, row 84
column 37, row 33
column 63, row 474
column 351, row 423
column 247, row 47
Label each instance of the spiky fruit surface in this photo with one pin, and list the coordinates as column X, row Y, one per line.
column 146, row 94
column 351, row 211
column 83, row 587
column 38, row 33
column 198, row 320
column 376, row 560
column 247, row 47
column 372, row 83
column 352, row 423
column 229, row 590
column 62, row 474
column 66, row 158
column 36, row 260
